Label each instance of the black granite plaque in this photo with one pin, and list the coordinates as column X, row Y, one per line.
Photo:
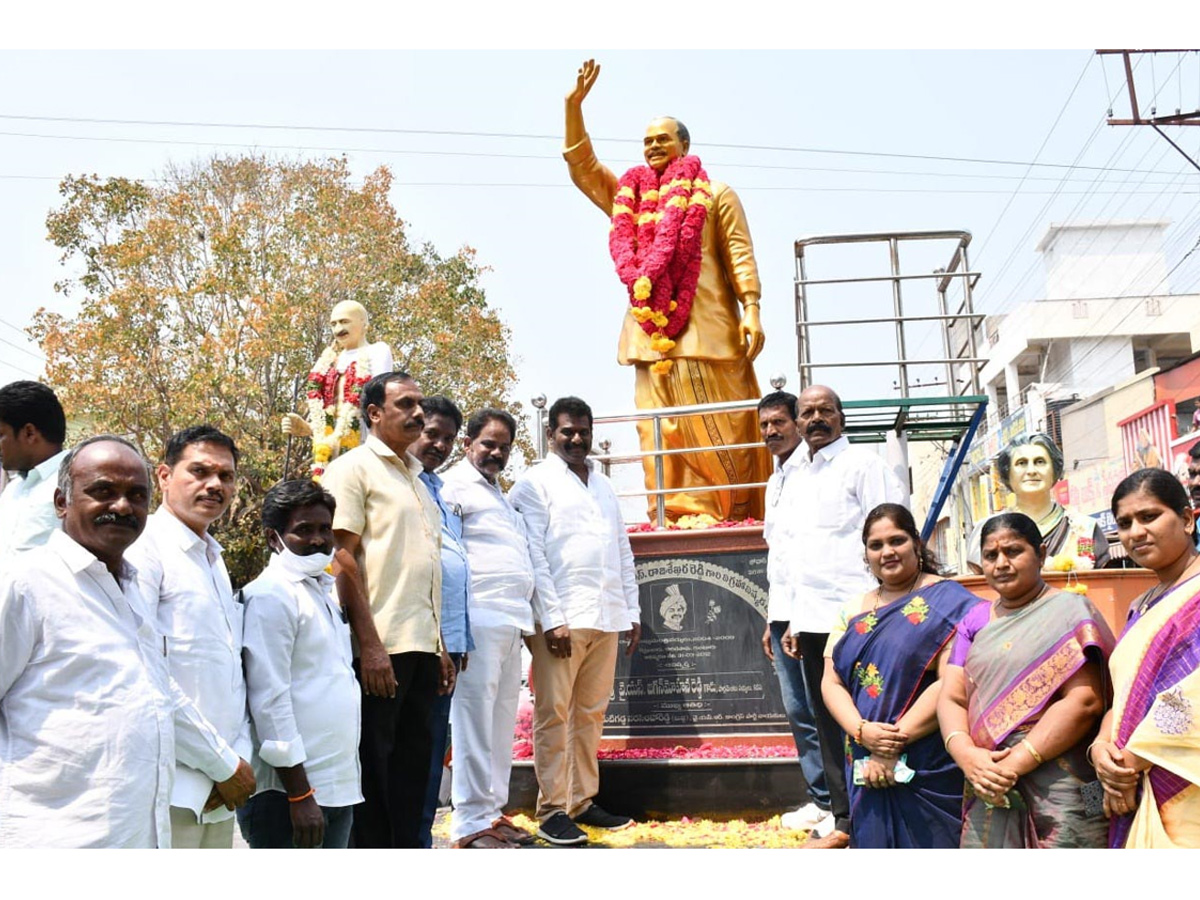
column 700, row 669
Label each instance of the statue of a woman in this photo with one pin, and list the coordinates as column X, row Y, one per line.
column 1030, row 469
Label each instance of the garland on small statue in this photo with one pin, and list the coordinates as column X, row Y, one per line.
column 334, row 429
column 655, row 241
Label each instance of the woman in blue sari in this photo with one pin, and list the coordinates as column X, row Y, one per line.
column 882, row 679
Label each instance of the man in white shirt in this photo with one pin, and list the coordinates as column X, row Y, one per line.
column 585, row 593
column 86, row 733
column 32, row 431
column 185, row 584
column 304, row 699
column 781, row 433
column 483, row 714
column 825, row 491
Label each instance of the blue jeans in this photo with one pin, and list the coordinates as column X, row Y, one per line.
column 798, row 704
column 439, row 725
column 266, row 823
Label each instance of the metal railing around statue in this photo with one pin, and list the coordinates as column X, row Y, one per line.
column 607, row 460
column 948, row 419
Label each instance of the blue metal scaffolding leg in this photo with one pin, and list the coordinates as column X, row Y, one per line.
column 950, row 472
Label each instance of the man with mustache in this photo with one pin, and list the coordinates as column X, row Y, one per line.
column 442, row 422
column 32, row 430
column 586, row 593
column 390, row 526
column 185, row 584
column 484, row 714
column 86, row 733
column 817, row 501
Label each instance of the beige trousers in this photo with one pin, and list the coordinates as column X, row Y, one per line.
column 188, row 834
column 570, row 698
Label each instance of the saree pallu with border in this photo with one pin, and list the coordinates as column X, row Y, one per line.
column 1156, row 715
column 1016, row 665
column 886, row 660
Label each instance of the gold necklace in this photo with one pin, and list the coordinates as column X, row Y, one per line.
column 912, row 587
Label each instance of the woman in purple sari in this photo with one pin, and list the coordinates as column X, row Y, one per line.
column 881, row 683
column 1023, row 693
column 1148, row 752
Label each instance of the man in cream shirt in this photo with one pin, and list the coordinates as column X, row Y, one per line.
column 185, row 585
column 387, row 522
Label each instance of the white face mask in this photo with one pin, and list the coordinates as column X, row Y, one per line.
column 309, row 566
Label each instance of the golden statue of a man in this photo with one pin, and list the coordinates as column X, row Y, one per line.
column 691, row 331
column 334, row 385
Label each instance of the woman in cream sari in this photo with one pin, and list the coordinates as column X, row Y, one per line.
column 1148, row 753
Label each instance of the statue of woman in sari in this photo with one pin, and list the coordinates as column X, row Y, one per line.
column 1030, row 468
column 1021, row 698
column 1148, row 753
column 883, row 665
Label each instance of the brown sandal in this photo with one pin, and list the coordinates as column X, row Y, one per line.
column 488, row 839
column 514, row 835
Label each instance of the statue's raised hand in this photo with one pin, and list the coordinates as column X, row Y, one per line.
column 584, row 79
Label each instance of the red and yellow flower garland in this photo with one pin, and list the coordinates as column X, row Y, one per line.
column 657, row 226
column 333, row 428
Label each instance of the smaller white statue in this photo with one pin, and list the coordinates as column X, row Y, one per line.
column 335, row 384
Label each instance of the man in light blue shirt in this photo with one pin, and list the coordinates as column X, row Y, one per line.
column 442, row 423
column 32, row 430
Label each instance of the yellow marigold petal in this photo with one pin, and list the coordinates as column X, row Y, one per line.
column 620, row 209
column 626, row 191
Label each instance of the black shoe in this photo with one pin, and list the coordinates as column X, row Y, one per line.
column 595, row 817
column 560, row 830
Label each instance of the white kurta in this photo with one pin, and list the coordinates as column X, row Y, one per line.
column 186, row 587
column 86, row 731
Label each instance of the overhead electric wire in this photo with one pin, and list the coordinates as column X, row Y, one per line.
column 505, row 135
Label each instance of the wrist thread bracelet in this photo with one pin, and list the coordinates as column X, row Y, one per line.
column 858, row 734
column 303, row 796
column 1029, row 748
column 951, row 736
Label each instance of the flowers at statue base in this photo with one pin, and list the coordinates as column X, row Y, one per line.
column 335, row 427
column 655, row 242
column 1071, row 564
column 685, row 832
column 689, row 523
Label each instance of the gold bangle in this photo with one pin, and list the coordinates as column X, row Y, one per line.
column 951, row 736
column 1037, row 757
column 858, row 733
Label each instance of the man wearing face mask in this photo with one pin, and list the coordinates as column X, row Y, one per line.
column 825, row 490
column 304, row 699
column 442, row 421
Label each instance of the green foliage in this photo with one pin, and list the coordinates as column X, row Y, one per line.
column 205, row 298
